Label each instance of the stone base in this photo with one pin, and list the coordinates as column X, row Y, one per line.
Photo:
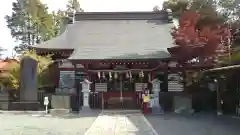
column 238, row 111
column 85, row 110
column 157, row 110
column 61, row 101
column 183, row 104
column 219, row 113
column 25, row 105
column 4, row 105
column 60, row 112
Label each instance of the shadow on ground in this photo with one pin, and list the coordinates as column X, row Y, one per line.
column 174, row 124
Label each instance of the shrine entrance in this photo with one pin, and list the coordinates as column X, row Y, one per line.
column 120, row 86
column 121, row 94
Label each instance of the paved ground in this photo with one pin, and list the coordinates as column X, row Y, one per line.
column 121, row 123
column 172, row 124
column 38, row 124
column 116, row 123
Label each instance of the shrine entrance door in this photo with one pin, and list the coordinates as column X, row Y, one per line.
column 122, row 96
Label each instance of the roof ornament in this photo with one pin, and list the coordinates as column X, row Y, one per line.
column 170, row 15
column 71, row 17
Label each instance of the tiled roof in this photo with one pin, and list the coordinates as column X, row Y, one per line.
column 138, row 35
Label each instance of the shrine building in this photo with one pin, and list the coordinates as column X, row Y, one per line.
column 120, row 53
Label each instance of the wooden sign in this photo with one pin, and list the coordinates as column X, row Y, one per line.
column 101, row 87
column 140, row 86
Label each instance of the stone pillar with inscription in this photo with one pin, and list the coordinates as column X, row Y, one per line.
column 156, row 108
column 28, row 85
column 86, row 90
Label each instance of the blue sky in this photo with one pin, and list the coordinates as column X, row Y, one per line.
column 88, row 5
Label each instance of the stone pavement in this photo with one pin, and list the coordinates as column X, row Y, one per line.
column 39, row 124
column 176, row 124
column 121, row 123
column 115, row 122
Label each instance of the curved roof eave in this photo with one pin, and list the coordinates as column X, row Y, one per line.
column 57, row 43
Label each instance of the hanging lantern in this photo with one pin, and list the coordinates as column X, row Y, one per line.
column 99, row 75
column 141, row 74
column 110, row 75
column 149, row 77
column 115, row 76
column 130, row 74
column 103, row 75
column 127, row 75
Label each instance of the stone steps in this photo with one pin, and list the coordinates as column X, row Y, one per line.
column 59, row 112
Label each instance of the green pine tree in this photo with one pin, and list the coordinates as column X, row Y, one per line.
column 73, row 6
column 31, row 23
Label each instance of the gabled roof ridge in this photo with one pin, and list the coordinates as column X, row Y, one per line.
column 124, row 12
column 128, row 15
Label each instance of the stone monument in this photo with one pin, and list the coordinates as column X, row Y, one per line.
column 28, row 84
column 86, row 90
column 156, row 108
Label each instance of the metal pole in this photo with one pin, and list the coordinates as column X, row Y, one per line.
column 46, row 109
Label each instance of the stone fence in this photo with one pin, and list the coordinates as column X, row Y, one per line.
column 10, row 100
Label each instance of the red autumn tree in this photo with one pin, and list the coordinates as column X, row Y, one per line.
column 204, row 44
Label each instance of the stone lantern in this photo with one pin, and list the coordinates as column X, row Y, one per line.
column 86, row 90
column 156, row 108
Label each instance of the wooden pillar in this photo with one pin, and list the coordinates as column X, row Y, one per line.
column 219, row 88
column 184, row 77
column 166, row 78
column 102, row 100
column 218, row 97
column 57, row 73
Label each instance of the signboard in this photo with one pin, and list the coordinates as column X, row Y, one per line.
column 46, row 101
column 140, row 86
column 101, row 87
